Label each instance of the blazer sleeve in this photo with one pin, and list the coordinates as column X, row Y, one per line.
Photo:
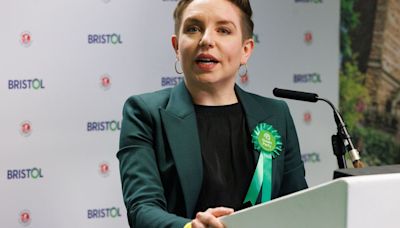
column 141, row 183
column 294, row 173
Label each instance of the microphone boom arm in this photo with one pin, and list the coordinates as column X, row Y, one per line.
column 344, row 136
column 341, row 142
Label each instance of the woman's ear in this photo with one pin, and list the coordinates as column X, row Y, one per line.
column 248, row 46
column 174, row 41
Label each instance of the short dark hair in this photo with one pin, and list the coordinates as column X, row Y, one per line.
column 243, row 5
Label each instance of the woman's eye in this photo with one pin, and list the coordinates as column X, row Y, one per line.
column 192, row 29
column 224, row 31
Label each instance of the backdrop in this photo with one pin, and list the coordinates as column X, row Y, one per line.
column 68, row 66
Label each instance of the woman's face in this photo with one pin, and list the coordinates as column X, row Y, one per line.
column 210, row 43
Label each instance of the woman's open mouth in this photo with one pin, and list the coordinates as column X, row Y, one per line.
column 206, row 62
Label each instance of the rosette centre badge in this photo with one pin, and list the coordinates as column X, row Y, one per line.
column 266, row 139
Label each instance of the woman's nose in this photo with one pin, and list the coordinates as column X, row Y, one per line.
column 207, row 40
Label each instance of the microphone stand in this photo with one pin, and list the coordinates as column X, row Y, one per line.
column 341, row 141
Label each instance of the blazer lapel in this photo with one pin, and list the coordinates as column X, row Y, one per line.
column 180, row 126
column 256, row 114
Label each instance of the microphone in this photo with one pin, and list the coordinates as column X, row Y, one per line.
column 295, row 95
column 342, row 140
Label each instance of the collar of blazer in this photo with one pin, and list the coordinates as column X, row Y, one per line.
column 180, row 125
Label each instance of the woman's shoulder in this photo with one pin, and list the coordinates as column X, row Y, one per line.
column 150, row 100
column 266, row 101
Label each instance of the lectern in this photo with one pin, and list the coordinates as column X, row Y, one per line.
column 351, row 202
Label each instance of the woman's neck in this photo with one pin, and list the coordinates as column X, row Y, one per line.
column 213, row 95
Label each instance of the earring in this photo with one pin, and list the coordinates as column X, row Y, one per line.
column 176, row 67
column 243, row 72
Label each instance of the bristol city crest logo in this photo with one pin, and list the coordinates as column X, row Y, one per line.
column 25, row 39
column 25, row 218
column 26, row 128
column 105, row 81
column 244, row 79
column 308, row 38
column 104, row 169
column 307, row 117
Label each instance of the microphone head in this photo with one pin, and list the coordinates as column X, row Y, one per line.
column 296, row 95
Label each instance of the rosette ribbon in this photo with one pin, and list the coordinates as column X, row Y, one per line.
column 267, row 141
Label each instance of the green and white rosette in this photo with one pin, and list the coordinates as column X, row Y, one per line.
column 267, row 141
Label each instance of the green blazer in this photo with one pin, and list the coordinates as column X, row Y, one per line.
column 160, row 159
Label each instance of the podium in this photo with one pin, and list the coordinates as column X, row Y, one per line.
column 350, row 202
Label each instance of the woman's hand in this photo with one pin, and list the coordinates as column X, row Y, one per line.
column 209, row 217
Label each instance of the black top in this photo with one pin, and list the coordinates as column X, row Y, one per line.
column 228, row 160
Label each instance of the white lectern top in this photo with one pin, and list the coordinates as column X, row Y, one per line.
column 351, row 202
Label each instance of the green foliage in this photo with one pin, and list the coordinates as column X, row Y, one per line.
column 354, row 96
column 349, row 17
column 352, row 90
column 348, row 21
column 377, row 147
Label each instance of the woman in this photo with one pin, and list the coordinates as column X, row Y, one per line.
column 205, row 148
